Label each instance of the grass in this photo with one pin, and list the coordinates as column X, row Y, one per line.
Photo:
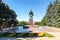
column 48, row 35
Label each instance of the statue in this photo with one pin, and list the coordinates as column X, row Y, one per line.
column 31, row 18
column 31, row 13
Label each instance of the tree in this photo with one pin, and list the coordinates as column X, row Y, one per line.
column 53, row 14
column 22, row 23
column 43, row 22
column 7, row 15
column 36, row 23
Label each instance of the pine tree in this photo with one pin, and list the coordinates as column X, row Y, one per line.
column 53, row 14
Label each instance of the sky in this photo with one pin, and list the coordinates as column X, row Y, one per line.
column 22, row 8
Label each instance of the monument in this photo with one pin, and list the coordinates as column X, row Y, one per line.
column 31, row 18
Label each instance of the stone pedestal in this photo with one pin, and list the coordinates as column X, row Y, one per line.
column 30, row 22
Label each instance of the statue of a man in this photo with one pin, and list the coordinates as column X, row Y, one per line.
column 31, row 13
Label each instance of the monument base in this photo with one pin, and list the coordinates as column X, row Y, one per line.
column 33, row 26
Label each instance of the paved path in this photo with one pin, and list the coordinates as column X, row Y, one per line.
column 38, row 38
column 44, row 29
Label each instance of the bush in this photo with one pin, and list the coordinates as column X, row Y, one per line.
column 22, row 23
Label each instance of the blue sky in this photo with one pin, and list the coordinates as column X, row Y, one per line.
column 22, row 8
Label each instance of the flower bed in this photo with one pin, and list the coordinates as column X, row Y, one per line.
column 16, row 35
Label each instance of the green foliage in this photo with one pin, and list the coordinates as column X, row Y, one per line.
column 36, row 23
column 22, row 23
column 7, row 15
column 41, row 23
column 52, row 17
